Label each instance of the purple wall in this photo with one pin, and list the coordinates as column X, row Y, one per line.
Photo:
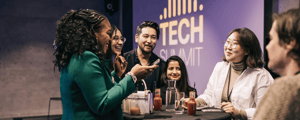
column 27, row 79
column 200, row 47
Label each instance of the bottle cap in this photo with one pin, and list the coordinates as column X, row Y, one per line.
column 157, row 91
column 192, row 94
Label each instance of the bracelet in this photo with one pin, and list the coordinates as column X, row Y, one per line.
column 132, row 76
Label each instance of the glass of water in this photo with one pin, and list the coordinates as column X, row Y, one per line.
column 179, row 100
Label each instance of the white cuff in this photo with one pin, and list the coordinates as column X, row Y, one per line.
column 134, row 79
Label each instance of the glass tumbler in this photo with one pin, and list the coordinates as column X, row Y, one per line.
column 134, row 108
column 179, row 100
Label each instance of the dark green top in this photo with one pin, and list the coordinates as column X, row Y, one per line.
column 87, row 90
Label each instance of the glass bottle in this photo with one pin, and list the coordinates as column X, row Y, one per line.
column 157, row 100
column 170, row 95
column 191, row 105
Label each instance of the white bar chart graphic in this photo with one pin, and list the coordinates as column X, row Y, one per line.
column 180, row 8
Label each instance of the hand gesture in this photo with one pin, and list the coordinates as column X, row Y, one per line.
column 186, row 100
column 120, row 65
column 141, row 72
column 229, row 108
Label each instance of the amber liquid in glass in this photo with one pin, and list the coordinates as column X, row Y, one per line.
column 134, row 111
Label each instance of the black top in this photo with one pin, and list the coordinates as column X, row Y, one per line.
column 132, row 59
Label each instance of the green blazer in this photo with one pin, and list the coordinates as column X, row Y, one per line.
column 87, row 90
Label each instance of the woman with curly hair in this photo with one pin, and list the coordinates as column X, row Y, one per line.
column 88, row 89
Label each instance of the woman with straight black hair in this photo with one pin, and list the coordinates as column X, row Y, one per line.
column 116, row 44
column 176, row 70
column 117, row 40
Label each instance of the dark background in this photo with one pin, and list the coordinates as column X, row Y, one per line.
column 27, row 27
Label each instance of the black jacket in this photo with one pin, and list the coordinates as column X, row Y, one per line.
column 132, row 59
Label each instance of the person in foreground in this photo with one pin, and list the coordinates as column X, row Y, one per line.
column 176, row 70
column 88, row 91
column 238, row 83
column 282, row 100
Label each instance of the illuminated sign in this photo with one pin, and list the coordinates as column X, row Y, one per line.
column 193, row 56
column 195, row 29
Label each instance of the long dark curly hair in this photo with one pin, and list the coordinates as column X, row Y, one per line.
column 75, row 34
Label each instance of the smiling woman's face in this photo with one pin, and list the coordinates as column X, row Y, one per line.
column 232, row 50
column 173, row 70
column 117, row 43
column 102, row 35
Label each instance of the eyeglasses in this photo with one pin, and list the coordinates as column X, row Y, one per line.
column 233, row 44
column 116, row 38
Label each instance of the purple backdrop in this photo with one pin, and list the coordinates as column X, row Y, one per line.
column 196, row 33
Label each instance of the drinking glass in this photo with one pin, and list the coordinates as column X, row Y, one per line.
column 179, row 102
column 134, row 108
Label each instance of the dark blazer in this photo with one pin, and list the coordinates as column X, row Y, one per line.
column 132, row 59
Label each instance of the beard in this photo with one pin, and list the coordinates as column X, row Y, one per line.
column 146, row 52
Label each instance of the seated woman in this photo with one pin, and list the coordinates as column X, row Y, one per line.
column 175, row 70
column 238, row 83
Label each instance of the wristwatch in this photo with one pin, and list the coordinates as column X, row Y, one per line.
column 132, row 76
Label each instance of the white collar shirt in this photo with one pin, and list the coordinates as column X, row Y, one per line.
column 247, row 91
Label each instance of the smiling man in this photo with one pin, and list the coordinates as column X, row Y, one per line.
column 146, row 36
column 282, row 100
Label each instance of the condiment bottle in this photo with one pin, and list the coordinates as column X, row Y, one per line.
column 191, row 105
column 157, row 100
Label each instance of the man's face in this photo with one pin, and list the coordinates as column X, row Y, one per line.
column 277, row 54
column 146, row 40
